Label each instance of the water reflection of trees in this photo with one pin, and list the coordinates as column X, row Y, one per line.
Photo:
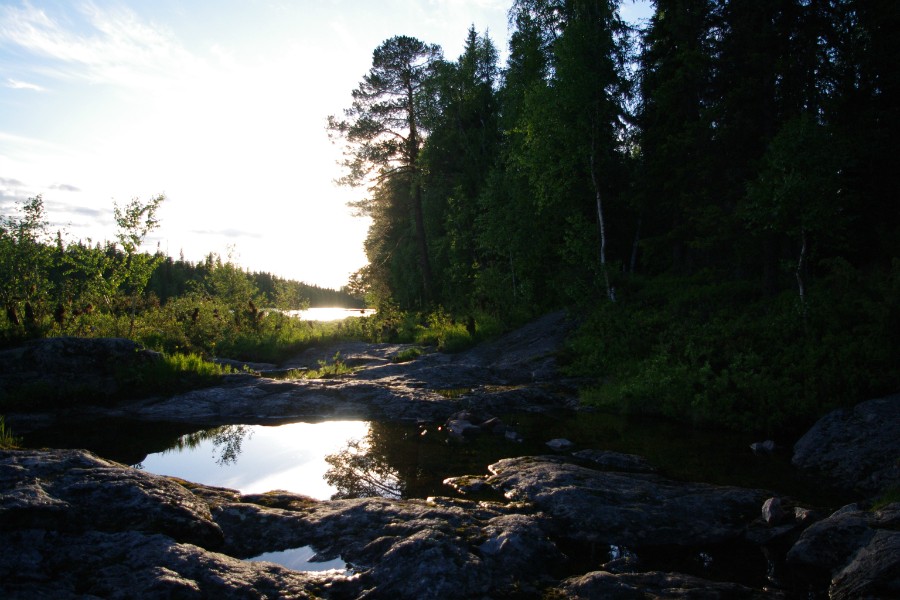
column 226, row 441
column 392, row 461
column 358, row 472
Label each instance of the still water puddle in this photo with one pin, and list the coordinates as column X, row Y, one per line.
column 255, row 458
column 301, row 559
column 352, row 459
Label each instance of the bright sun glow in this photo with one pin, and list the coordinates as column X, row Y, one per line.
column 220, row 105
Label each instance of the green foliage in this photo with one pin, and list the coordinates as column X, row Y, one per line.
column 407, row 354
column 173, row 373
column 713, row 354
column 25, row 257
column 887, row 497
column 335, row 369
column 213, row 308
column 444, row 332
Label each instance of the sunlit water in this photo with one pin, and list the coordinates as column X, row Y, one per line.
column 301, row 559
column 255, row 458
column 330, row 313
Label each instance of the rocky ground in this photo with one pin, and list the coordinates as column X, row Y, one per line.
column 590, row 524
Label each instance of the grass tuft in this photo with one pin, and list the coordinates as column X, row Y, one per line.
column 7, row 440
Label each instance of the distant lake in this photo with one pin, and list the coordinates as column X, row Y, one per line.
column 330, row 313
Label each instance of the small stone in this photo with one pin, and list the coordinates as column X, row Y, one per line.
column 772, row 512
column 460, row 427
column 804, row 516
column 466, row 484
column 763, row 448
column 512, row 436
column 560, row 444
column 493, row 424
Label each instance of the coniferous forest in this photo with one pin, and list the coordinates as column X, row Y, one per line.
column 714, row 192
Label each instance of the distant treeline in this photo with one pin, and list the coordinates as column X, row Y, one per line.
column 176, row 277
column 53, row 286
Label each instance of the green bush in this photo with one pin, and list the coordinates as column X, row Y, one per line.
column 723, row 355
column 407, row 355
column 336, row 368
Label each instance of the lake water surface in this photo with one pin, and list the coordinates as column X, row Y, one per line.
column 330, row 313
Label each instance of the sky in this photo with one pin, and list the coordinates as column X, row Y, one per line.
column 221, row 105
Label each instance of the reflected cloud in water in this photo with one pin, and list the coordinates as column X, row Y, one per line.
column 257, row 458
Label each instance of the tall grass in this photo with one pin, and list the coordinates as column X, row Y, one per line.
column 171, row 374
column 7, row 439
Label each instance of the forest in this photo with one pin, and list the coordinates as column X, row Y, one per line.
column 713, row 192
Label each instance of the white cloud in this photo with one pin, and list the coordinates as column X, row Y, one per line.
column 24, row 85
column 106, row 46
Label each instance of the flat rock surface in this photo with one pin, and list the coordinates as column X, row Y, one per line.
column 634, row 509
column 640, row 586
column 74, row 525
column 513, row 373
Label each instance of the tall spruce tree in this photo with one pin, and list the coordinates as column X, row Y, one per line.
column 459, row 153
column 575, row 130
column 675, row 132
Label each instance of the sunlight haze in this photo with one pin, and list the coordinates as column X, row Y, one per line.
column 219, row 105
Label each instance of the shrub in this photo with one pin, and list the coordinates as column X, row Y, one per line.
column 326, row 370
column 719, row 354
column 407, row 355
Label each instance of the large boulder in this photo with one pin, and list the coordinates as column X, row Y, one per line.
column 130, row 564
column 632, row 509
column 856, row 549
column 73, row 525
column 67, row 367
column 75, row 491
column 856, row 448
column 440, row 548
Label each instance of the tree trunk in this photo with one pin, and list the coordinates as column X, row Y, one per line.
column 601, row 223
column 634, row 246
column 418, row 211
column 424, row 263
column 801, row 263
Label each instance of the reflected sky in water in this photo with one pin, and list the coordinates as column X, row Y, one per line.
column 299, row 559
column 257, row 458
